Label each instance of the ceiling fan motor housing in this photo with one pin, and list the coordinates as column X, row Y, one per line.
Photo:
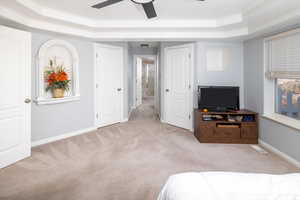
column 142, row 1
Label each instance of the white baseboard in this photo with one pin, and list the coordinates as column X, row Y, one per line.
column 63, row 136
column 279, row 153
column 124, row 120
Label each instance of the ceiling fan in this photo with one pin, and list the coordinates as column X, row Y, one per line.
column 147, row 5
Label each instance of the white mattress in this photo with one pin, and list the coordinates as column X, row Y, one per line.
column 231, row 186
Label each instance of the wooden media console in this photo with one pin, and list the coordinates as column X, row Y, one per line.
column 240, row 127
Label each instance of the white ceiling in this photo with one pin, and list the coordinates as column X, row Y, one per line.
column 166, row 9
column 178, row 19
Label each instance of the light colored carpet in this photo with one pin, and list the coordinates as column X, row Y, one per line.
column 128, row 161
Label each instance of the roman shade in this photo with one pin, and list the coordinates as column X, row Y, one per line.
column 283, row 55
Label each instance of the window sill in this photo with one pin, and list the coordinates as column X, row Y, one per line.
column 43, row 101
column 284, row 120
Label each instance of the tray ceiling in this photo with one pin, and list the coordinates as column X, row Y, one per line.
column 166, row 9
column 178, row 19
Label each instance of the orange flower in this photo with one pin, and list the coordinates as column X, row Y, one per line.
column 51, row 78
column 62, row 76
column 57, row 78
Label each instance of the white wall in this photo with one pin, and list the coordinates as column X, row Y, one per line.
column 283, row 138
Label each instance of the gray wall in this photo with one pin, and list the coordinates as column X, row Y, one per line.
column 131, row 52
column 130, row 78
column 54, row 120
column 279, row 136
column 231, row 76
column 143, row 51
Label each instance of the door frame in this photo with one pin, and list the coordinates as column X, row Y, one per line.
column 135, row 56
column 96, row 84
column 164, row 81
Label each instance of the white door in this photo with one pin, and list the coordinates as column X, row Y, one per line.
column 15, row 69
column 109, row 84
column 139, row 79
column 178, row 86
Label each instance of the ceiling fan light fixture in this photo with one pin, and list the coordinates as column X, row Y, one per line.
column 147, row 5
column 142, row 1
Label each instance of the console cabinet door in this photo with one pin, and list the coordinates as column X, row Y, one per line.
column 206, row 131
column 249, row 131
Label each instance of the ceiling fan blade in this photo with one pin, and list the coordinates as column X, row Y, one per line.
column 106, row 3
column 149, row 10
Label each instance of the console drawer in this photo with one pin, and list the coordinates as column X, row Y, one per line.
column 227, row 132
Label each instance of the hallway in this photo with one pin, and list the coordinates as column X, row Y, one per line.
column 145, row 111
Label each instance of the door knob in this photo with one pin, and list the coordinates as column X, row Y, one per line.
column 119, row 89
column 167, row 90
column 27, row 101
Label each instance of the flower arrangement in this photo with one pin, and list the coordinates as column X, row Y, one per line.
column 56, row 79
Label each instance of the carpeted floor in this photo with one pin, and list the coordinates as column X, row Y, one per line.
column 128, row 161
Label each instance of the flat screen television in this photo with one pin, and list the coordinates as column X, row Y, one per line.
column 219, row 98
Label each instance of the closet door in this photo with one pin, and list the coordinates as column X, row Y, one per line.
column 15, row 109
column 178, row 91
column 109, row 82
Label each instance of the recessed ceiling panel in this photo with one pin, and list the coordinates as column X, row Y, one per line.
column 166, row 9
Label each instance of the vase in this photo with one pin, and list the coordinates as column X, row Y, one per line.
column 58, row 93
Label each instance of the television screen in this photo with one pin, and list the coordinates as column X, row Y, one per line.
column 219, row 98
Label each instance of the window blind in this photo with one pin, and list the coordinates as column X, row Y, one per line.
column 283, row 56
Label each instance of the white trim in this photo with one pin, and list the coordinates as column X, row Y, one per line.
column 99, row 45
column 61, row 137
column 284, row 34
column 95, row 84
column 162, row 121
column 108, row 23
column 191, row 96
column 44, row 101
column 279, row 153
column 167, row 30
column 135, row 56
column 269, row 87
column 124, row 120
column 283, row 120
column 42, row 98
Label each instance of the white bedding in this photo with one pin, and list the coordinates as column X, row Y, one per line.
column 231, row 186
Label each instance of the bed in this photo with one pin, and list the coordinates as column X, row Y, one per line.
column 231, row 186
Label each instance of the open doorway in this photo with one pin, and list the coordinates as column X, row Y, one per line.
column 145, row 86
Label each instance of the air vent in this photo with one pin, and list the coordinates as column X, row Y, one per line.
column 145, row 45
